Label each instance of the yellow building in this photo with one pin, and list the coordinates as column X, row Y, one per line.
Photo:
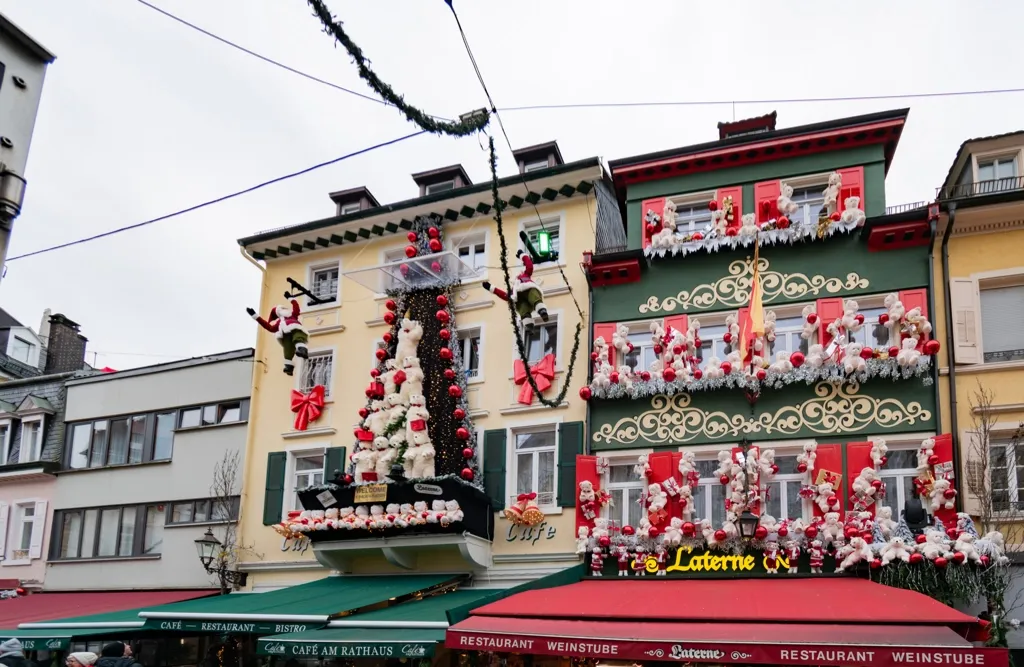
column 980, row 322
column 338, row 260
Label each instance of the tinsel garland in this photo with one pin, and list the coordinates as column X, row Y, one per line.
column 331, row 486
column 461, row 128
column 520, row 343
column 790, row 235
column 876, row 368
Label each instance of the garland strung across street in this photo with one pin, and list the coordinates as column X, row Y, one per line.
column 678, row 367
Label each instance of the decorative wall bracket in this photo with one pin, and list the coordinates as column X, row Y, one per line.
column 297, row 290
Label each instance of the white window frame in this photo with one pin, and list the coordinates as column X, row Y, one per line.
column 554, row 220
column 472, row 239
column 7, row 423
column 808, row 182
column 786, row 448
column 15, row 339
column 996, row 159
column 511, row 477
column 301, row 451
column 558, row 317
column 311, row 269
column 641, row 330
column 434, row 188
column 535, row 165
column 692, row 200
column 350, row 208
column 40, row 423
column 469, row 330
column 895, row 498
column 620, row 511
column 16, row 521
column 300, row 370
column 991, row 281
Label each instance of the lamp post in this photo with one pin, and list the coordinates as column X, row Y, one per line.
column 747, row 520
column 208, row 546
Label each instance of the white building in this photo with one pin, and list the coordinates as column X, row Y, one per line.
column 134, row 489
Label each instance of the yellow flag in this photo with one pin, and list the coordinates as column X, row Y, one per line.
column 753, row 326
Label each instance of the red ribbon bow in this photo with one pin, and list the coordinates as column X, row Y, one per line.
column 543, row 373
column 307, row 407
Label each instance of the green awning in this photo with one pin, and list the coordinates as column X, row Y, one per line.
column 125, row 619
column 57, row 639
column 294, row 609
column 406, row 630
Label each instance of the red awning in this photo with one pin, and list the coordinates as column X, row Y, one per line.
column 727, row 642
column 49, row 606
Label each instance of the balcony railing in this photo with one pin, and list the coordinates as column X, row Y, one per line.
column 981, row 188
column 903, row 208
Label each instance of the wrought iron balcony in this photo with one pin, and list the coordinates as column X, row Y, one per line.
column 981, row 188
column 903, row 208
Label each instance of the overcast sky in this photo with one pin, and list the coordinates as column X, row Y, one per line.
column 142, row 116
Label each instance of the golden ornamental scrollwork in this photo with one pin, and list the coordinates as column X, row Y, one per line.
column 835, row 408
column 734, row 289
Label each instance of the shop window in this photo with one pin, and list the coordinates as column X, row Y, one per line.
column 898, row 475
column 533, row 464
column 625, row 488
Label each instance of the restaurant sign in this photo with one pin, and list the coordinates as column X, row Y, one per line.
column 45, row 644
column 347, row 649
column 228, row 627
column 687, row 562
column 772, row 654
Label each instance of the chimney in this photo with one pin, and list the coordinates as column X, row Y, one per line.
column 66, row 346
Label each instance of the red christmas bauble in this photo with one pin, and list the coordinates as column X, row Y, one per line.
column 884, row 460
column 724, row 479
column 877, row 484
column 442, row 316
column 726, row 367
column 586, row 393
column 835, row 217
column 455, row 391
column 952, row 533
column 458, row 413
column 876, row 563
column 720, row 535
column 731, row 231
column 404, row 268
column 370, row 391
column 801, row 467
column 760, row 533
column 867, row 353
column 811, row 532
column 797, row 359
column 698, row 374
column 883, row 319
column 867, row 537
column 727, row 337
column 435, row 266
column 851, row 532
column 712, row 205
column 389, row 317
column 652, row 229
column 688, row 528
column 348, row 479
column 445, row 353
column 434, row 245
column 761, row 374
column 959, row 557
column 604, row 541
column 893, row 351
column 782, row 531
column 364, row 413
column 782, row 222
column 832, row 500
column 697, row 236
column 920, row 539
column 645, row 375
column 949, row 494
column 812, row 318
column 932, row 347
column 412, row 237
column 859, row 318
column 677, row 350
column 445, row 334
column 382, row 354
column 594, row 356
column 410, row 251
column 653, row 532
column 433, row 232
column 614, row 377
column 658, row 349
column 933, row 460
column 467, row 453
column 374, row 372
column 442, row 300
column 467, row 474
column 984, row 561
column 390, row 304
column 628, row 530
column 775, row 469
column 462, row 433
column 916, row 558
column 449, row 374
column 669, row 374
column 400, row 376
column 941, row 562
column 387, row 337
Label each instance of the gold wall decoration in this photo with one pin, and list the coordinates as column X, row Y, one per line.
column 734, row 289
column 835, row 409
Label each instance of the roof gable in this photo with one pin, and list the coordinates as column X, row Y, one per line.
column 32, row 405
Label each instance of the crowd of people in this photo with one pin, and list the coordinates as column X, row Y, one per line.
column 114, row 654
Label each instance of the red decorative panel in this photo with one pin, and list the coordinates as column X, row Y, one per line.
column 827, row 466
column 943, row 448
column 858, row 457
column 658, row 206
column 916, row 298
column 737, row 203
column 605, row 330
column 829, row 310
column 586, row 470
column 766, row 200
column 853, row 186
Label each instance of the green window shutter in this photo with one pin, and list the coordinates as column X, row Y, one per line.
column 334, row 463
column 570, row 443
column 273, row 497
column 494, row 467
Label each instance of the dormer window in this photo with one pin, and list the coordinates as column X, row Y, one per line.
column 538, row 158
column 353, row 200
column 21, row 350
column 443, row 186
column 440, row 180
column 349, row 209
column 536, row 165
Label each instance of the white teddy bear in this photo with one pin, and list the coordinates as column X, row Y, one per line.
column 807, row 457
column 365, row 460
column 644, row 529
column 385, row 457
column 815, row 356
column 674, row 532
column 785, row 202
column 346, row 518
column 832, row 529
column 388, row 378
column 626, row 377
column 831, row 192
column 377, row 419
column 822, row 494
column 413, row 378
column 713, row 370
column 409, row 335
column 708, row 531
column 862, row 486
column 920, row 326
column 809, row 328
column 782, row 363
column 718, row 223
column 657, row 333
column 419, row 515
column 404, row 515
column 852, row 320
column 377, row 518
column 642, row 468
column 748, row 228
column 732, row 328
column 937, row 498
column 885, row 523
column 895, row 549
column 424, row 463
column 852, row 215
column 582, row 539
column 587, row 491
column 362, row 518
column 602, row 376
column 852, row 361
column 894, row 308
column 855, row 552
column 924, row 454
column 392, row 512
column 935, row 544
column 657, row 499
column 455, row 513
column 416, row 419
column 908, row 356
column 620, row 340
column 965, row 545
column 600, row 528
column 665, row 236
column 878, row 451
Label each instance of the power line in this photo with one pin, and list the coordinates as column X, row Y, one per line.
column 218, row 200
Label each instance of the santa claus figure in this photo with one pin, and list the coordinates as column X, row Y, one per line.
column 526, row 294
column 661, row 556
column 640, row 563
column 284, row 323
column 793, row 553
column 817, row 554
column 771, row 557
column 596, row 561
column 623, row 556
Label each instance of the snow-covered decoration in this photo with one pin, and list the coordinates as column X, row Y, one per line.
column 375, row 517
column 723, row 234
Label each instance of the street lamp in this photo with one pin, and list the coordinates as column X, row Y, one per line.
column 748, row 523
column 207, row 547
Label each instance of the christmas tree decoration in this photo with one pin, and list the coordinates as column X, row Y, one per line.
column 284, row 323
column 307, row 407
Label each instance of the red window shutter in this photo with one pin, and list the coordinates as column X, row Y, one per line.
column 829, row 310
column 916, row 298
column 658, row 206
column 858, row 457
column 678, row 322
column 830, row 462
column 661, row 466
column 766, row 200
column 675, row 509
column 737, row 203
column 853, row 186
column 606, row 329
column 586, row 470
column 943, row 448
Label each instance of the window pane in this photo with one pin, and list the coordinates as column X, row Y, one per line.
column 524, row 473
column 89, row 533
column 108, row 532
column 1002, row 319
column 325, row 284
column 202, row 511
column 137, row 439
column 164, row 436
column 787, row 465
column 775, row 500
column 700, row 502
column 71, row 533
column 986, row 172
column 317, row 370
column 634, row 507
column 181, row 512
column 718, row 505
column 309, row 463
column 209, row 415
column 550, row 339
column 154, row 537
column 127, row 540
column 620, row 474
column 794, row 504
column 99, row 445
column 535, row 440
column 25, row 537
column 118, row 442
column 230, row 412
column 190, row 418
column 30, row 441
column 1006, row 168
column 221, row 510
column 901, row 459
column 546, row 477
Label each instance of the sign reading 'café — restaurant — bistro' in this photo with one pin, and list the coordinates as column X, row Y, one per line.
column 228, row 627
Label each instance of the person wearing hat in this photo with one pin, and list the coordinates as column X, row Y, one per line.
column 81, row 659
column 11, row 654
column 116, row 654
